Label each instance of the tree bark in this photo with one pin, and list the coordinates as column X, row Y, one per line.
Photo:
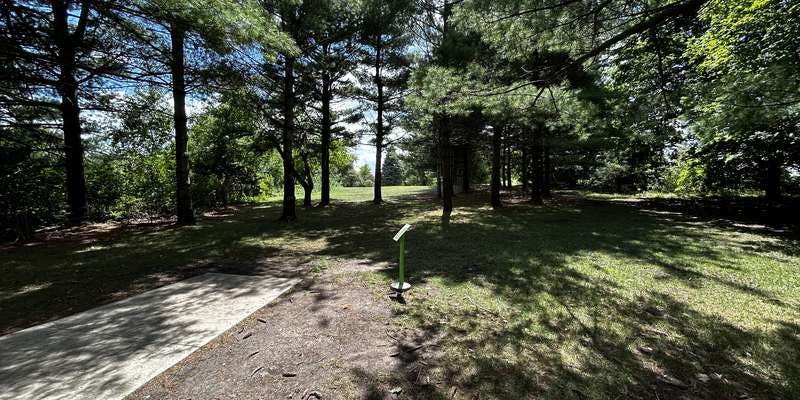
column 547, row 173
column 289, row 212
column 524, row 169
column 439, row 176
column 508, row 165
column 308, row 185
column 183, row 190
column 377, row 193
column 536, row 169
column 225, row 195
column 497, row 138
column 772, row 183
column 504, row 164
column 70, row 114
column 325, row 195
column 447, row 167
column 307, row 196
column 307, row 182
column 23, row 226
column 465, row 188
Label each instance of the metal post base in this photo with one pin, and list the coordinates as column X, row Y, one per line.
column 400, row 288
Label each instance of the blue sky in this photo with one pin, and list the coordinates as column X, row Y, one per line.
column 365, row 154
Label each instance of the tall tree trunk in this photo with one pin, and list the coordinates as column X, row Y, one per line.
column 325, row 162
column 447, row 167
column 524, row 169
column 70, row 115
column 497, row 138
column 505, row 165
column 225, row 195
column 439, row 175
column 377, row 193
column 288, row 212
column 547, row 173
column 308, row 187
column 508, row 165
column 307, row 203
column 73, row 150
column 772, row 183
column 465, row 176
column 22, row 225
column 536, row 168
column 183, row 189
column 307, row 182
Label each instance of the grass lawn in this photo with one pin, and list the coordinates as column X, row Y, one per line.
column 578, row 299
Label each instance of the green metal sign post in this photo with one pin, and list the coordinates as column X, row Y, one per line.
column 402, row 260
column 401, row 285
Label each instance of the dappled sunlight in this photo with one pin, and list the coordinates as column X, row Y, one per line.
column 102, row 349
column 5, row 295
column 565, row 300
column 589, row 275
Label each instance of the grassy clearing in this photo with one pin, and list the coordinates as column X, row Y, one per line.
column 580, row 299
column 355, row 194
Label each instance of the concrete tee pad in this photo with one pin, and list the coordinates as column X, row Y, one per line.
column 109, row 351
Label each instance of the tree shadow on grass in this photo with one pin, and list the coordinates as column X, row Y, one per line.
column 548, row 301
column 81, row 270
column 752, row 214
column 582, row 332
column 52, row 280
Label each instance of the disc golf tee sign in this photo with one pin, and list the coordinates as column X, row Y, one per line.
column 401, row 285
column 402, row 232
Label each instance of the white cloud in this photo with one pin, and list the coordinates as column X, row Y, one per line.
column 365, row 155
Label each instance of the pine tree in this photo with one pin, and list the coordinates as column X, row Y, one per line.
column 384, row 40
column 57, row 53
column 201, row 31
column 392, row 169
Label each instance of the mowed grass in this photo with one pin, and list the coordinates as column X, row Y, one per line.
column 577, row 299
column 40, row 281
column 355, row 194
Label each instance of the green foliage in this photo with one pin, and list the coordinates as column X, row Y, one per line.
column 392, row 172
column 146, row 184
column 686, row 177
column 221, row 24
column 132, row 173
column 745, row 110
column 342, row 171
column 228, row 169
column 351, row 176
column 31, row 183
column 365, row 177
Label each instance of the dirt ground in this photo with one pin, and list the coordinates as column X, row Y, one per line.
column 332, row 337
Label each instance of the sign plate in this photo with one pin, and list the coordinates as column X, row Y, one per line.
column 401, row 232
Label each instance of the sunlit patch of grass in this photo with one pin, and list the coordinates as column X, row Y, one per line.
column 24, row 290
column 544, row 302
column 555, row 299
column 356, row 194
